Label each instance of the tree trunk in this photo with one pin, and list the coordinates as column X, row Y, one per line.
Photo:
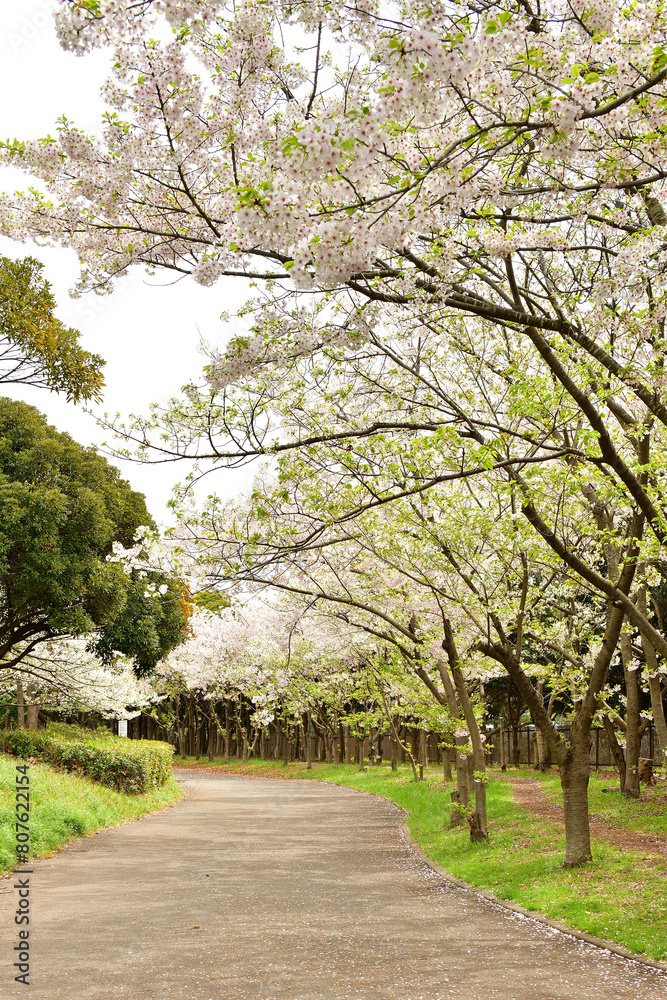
column 446, row 765
column 652, row 670
column 238, row 745
column 393, row 749
column 182, row 748
column 479, row 828
column 335, row 745
column 477, row 832
column 632, row 720
column 456, row 815
column 286, row 745
column 32, row 710
column 659, row 715
column 616, row 750
column 307, row 742
column 210, row 742
column 503, row 747
column 20, row 703
column 196, row 722
column 462, row 784
column 346, row 745
column 423, row 761
column 574, row 775
column 228, row 730
column 542, row 762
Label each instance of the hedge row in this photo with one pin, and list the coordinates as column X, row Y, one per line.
column 127, row 765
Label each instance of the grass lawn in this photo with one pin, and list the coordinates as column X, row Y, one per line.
column 645, row 815
column 64, row 806
column 620, row 895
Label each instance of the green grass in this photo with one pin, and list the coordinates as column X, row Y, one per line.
column 619, row 896
column 646, row 815
column 64, row 806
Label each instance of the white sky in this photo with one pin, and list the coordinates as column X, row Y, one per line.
column 147, row 331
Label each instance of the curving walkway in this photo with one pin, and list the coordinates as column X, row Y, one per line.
column 252, row 889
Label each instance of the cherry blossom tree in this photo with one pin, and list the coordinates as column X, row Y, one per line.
column 502, row 166
column 474, row 559
column 64, row 676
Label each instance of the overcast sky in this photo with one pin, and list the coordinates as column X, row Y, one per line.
column 148, row 331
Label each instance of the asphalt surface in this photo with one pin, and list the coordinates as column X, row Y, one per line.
column 252, row 889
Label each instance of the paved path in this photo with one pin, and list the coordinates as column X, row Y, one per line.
column 253, row 889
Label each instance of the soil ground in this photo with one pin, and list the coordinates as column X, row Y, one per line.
column 252, row 889
column 529, row 794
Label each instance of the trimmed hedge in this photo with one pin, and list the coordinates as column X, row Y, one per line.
column 132, row 766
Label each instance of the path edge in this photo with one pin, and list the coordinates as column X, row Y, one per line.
column 611, row 946
column 541, row 918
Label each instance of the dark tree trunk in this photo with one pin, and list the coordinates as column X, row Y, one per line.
column 616, row 750
column 308, row 742
column 210, row 741
column 180, row 727
column 655, row 689
column 228, row 729
column 503, row 746
column 196, row 722
column 336, row 739
column 632, row 719
column 447, row 765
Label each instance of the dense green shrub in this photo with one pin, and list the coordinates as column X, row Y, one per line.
column 126, row 765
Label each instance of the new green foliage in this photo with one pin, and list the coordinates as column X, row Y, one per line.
column 35, row 347
column 62, row 508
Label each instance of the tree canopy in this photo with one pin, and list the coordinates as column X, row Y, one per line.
column 36, row 348
column 62, row 508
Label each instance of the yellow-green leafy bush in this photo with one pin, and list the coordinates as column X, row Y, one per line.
column 126, row 765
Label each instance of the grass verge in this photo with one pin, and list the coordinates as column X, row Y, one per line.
column 619, row 896
column 646, row 815
column 64, row 806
